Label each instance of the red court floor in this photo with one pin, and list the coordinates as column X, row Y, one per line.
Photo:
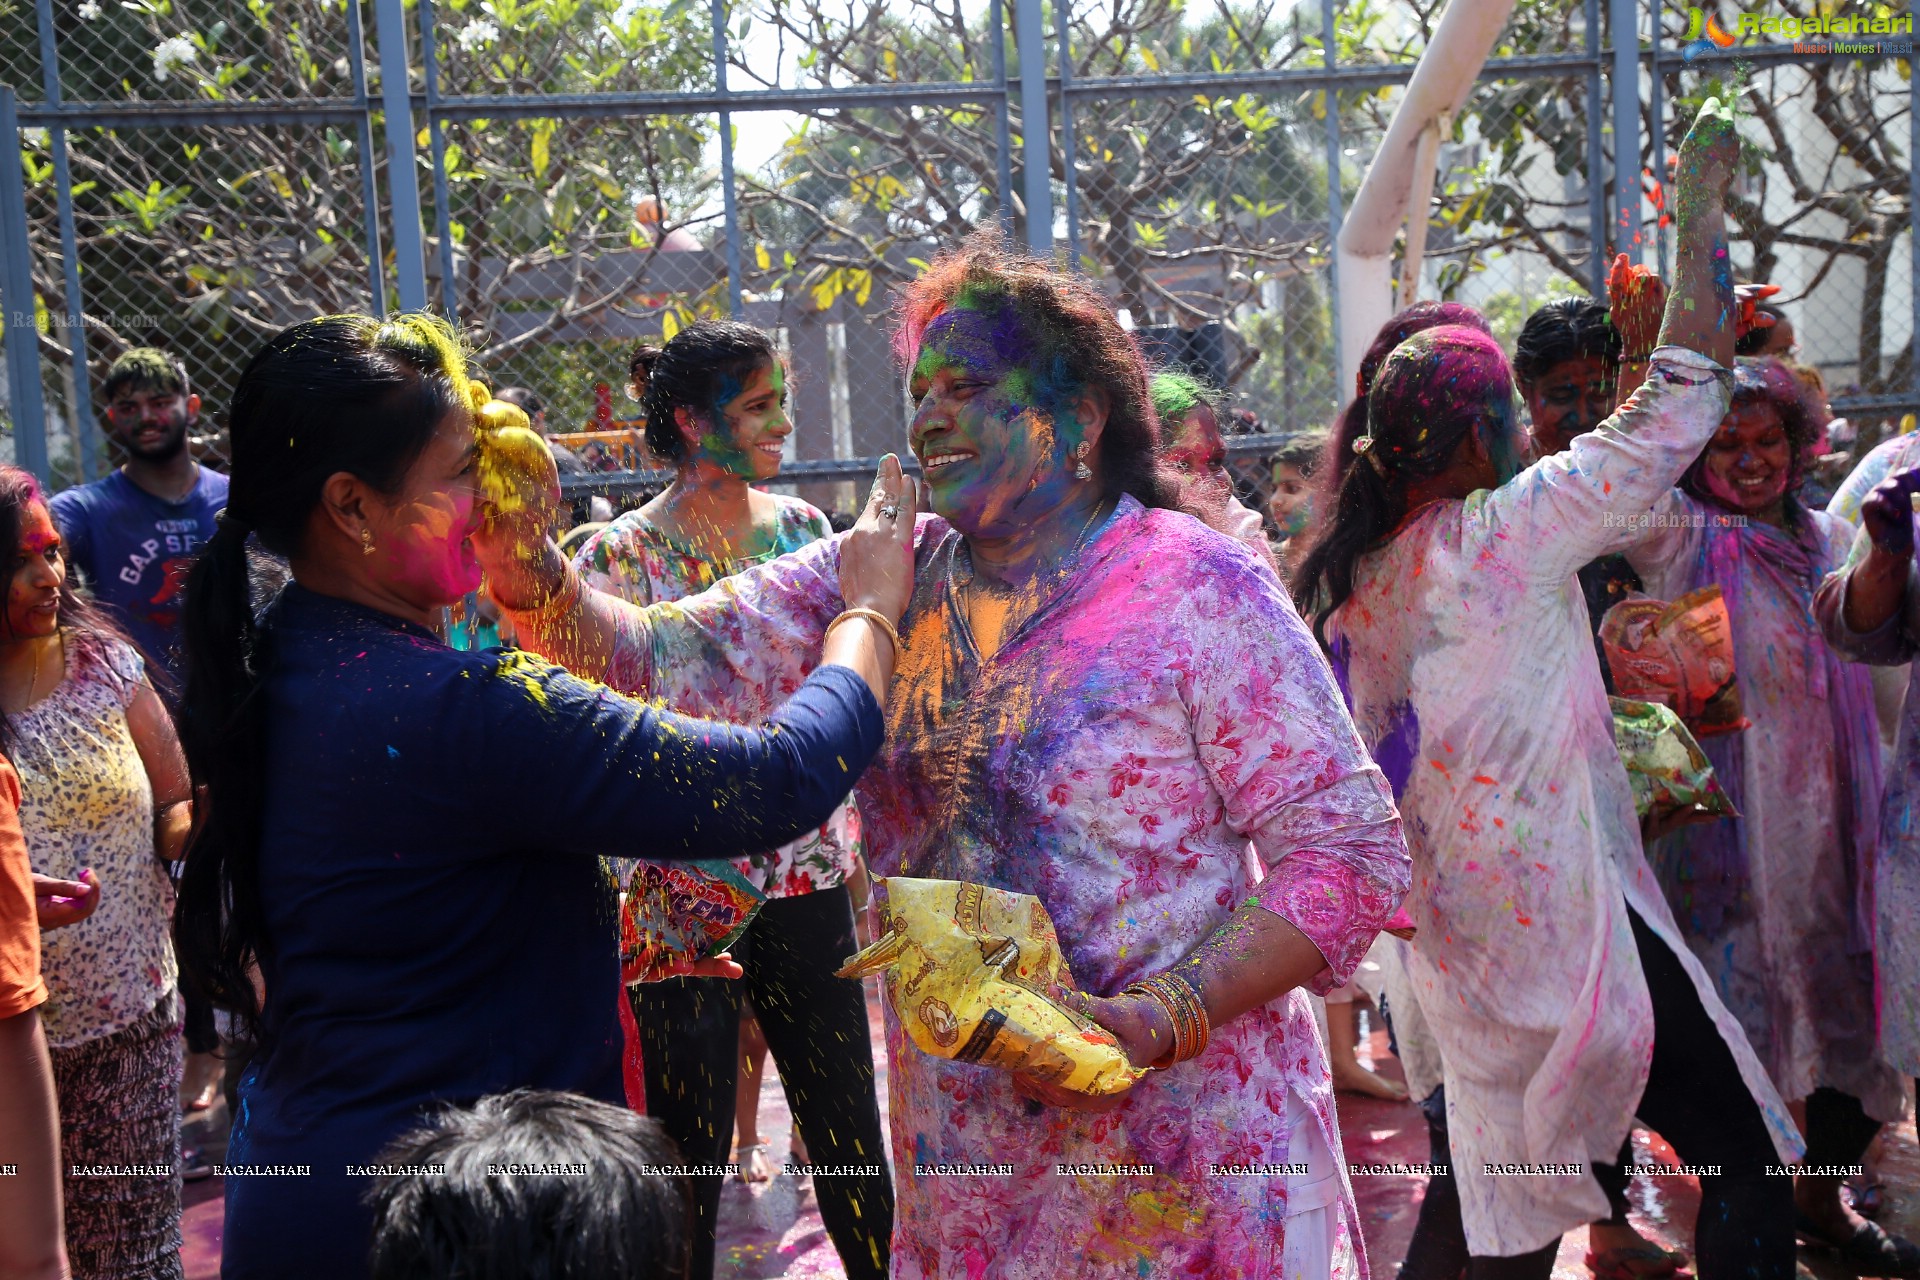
column 775, row 1230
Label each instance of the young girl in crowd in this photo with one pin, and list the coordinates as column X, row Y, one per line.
column 104, row 789
column 715, row 403
column 1547, row 964
column 1776, row 902
column 1112, row 707
column 1195, row 453
column 1290, row 504
column 396, row 944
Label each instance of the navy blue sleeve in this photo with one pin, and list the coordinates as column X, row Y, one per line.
column 594, row 772
column 69, row 512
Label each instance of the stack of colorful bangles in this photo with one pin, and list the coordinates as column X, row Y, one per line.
column 1191, row 1028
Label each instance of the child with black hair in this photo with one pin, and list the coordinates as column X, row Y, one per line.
column 531, row 1185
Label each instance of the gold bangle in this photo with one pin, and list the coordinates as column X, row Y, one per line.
column 874, row 616
column 1192, row 1027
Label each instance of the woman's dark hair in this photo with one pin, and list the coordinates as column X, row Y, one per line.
column 1432, row 391
column 482, row 1215
column 1768, row 380
column 88, row 633
column 1074, row 342
column 528, row 402
column 701, row 368
column 1331, row 472
column 1564, row 329
column 1302, row 452
column 342, row 393
column 1750, row 342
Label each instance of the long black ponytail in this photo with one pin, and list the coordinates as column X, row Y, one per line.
column 1430, row 393
column 341, row 393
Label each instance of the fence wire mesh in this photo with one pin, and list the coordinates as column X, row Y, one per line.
column 1196, row 172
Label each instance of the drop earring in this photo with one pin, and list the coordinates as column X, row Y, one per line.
column 1080, row 469
column 366, row 542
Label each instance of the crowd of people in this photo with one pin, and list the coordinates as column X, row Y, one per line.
column 327, row 772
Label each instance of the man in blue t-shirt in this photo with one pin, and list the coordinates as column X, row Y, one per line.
column 134, row 534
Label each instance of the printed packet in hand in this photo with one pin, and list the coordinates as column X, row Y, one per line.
column 1679, row 655
column 679, row 912
column 1673, row 782
column 967, row 969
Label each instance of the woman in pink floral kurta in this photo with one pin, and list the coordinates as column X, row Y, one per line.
column 1155, row 746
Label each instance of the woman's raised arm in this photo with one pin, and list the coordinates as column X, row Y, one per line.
column 759, row 632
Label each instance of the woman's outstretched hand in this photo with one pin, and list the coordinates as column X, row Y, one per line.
column 876, row 555
column 1139, row 1023
column 1888, row 512
column 59, row 903
column 1636, row 300
column 519, row 497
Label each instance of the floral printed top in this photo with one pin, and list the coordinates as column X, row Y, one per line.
column 86, row 802
column 1896, row 869
column 633, row 560
column 1160, row 743
column 1472, row 675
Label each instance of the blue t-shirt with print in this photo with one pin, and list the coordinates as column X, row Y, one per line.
column 135, row 548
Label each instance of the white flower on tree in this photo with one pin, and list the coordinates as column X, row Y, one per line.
column 88, row 10
column 176, row 51
column 475, row 34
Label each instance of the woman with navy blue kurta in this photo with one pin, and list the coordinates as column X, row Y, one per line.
column 398, row 881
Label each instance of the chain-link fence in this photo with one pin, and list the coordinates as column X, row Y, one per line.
column 567, row 178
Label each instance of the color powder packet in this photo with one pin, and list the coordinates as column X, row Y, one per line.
column 967, row 969
column 1679, row 655
column 1673, row 782
column 681, row 912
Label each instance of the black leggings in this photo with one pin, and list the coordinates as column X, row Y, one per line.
column 1695, row 1099
column 816, row 1028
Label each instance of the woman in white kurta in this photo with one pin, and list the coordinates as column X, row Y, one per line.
column 1465, row 649
column 1549, row 967
column 1870, row 612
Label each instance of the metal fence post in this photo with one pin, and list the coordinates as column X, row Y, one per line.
column 1034, row 131
column 1657, row 130
column 1328, row 32
column 728, row 198
column 369, row 191
column 403, row 184
column 27, row 405
column 437, row 141
column 82, row 406
column 1626, row 127
column 1596, row 161
column 1063, row 50
column 1003, row 129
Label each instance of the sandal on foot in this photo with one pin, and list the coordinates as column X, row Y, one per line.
column 194, row 1165
column 743, row 1163
column 1871, row 1251
column 1867, row 1195
column 1643, row 1261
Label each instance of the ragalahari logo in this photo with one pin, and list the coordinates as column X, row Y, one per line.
column 1704, row 34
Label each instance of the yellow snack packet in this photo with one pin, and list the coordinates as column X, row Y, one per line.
column 967, row 969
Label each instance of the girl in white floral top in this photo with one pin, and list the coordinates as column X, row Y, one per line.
column 103, row 789
column 715, row 404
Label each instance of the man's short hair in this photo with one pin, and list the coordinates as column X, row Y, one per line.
column 146, row 369
column 532, row 1185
